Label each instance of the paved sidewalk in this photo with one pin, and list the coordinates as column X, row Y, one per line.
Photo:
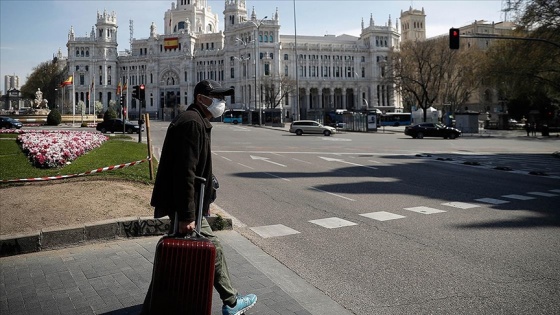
column 113, row 277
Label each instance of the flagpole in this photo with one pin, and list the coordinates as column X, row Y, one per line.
column 73, row 100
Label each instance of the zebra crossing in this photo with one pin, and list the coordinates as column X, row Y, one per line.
column 279, row 230
column 533, row 164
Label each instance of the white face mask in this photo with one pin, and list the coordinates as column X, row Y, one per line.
column 217, row 107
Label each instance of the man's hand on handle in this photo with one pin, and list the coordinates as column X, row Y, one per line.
column 186, row 227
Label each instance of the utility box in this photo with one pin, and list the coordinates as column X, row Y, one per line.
column 467, row 122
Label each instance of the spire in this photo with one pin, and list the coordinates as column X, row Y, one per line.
column 371, row 22
column 362, row 24
column 253, row 14
column 389, row 23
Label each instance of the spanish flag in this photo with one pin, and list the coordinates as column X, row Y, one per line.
column 124, row 87
column 119, row 89
column 68, row 81
column 171, row 43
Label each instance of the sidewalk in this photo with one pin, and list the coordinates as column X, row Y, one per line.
column 112, row 278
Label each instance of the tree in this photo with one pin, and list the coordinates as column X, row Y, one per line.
column 462, row 78
column 420, row 70
column 47, row 76
column 275, row 89
column 529, row 72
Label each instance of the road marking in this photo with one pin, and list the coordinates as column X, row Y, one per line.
column 518, row 197
column 333, row 194
column 376, row 162
column 382, row 216
column 424, row 210
column 335, row 139
column 492, row 201
column 536, row 193
column 277, row 176
column 254, row 157
column 460, row 205
column 555, row 191
column 246, row 166
column 332, row 223
column 273, row 230
column 301, row 161
column 346, row 162
column 225, row 158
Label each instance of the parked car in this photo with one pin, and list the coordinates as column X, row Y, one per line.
column 422, row 130
column 116, row 125
column 9, row 123
column 300, row 127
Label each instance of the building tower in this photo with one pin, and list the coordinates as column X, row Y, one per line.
column 413, row 25
column 235, row 13
column 190, row 16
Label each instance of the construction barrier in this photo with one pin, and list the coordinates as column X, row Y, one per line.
column 99, row 170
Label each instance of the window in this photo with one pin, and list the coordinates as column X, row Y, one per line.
column 286, row 57
column 87, row 68
column 267, row 68
column 286, row 71
column 232, row 73
column 82, row 79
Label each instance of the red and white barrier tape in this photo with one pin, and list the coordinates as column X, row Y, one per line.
column 99, row 170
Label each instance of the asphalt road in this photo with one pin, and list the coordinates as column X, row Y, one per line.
column 383, row 226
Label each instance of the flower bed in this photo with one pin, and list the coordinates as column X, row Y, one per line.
column 48, row 149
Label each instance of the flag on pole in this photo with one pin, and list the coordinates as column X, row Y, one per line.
column 125, row 87
column 68, row 81
column 119, row 89
column 171, row 43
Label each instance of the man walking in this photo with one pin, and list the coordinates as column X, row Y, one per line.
column 186, row 153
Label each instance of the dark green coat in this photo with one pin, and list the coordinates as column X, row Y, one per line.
column 186, row 153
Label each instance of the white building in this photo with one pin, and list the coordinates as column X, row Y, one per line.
column 11, row 82
column 334, row 72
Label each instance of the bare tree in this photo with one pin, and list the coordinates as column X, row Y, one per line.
column 419, row 70
column 277, row 89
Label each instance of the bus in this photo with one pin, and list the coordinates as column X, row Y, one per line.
column 233, row 116
column 395, row 119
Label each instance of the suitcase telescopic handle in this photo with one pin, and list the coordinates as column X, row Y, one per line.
column 200, row 207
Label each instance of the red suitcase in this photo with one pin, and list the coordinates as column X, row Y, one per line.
column 183, row 274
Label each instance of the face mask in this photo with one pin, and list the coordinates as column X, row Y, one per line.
column 217, row 107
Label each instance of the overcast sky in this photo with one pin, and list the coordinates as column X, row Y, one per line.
column 31, row 31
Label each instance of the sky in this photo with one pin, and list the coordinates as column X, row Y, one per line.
column 31, row 31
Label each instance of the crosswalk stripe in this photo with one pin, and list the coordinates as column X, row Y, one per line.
column 492, row 201
column 332, row 223
column 542, row 194
column 460, row 205
column 273, row 230
column 424, row 210
column 555, row 190
column 382, row 216
column 518, row 197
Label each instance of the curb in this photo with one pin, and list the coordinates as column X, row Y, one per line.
column 77, row 235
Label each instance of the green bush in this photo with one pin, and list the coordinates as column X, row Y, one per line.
column 110, row 113
column 84, row 124
column 54, row 118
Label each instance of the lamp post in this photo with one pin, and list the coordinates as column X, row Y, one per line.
column 257, row 58
column 244, row 61
column 164, row 101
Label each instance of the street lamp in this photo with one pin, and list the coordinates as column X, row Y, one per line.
column 244, row 61
column 164, row 100
column 257, row 58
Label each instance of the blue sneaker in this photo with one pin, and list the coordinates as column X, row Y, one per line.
column 243, row 303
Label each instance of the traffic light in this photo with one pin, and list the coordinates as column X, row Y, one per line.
column 454, row 36
column 142, row 93
column 136, row 91
column 123, row 100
